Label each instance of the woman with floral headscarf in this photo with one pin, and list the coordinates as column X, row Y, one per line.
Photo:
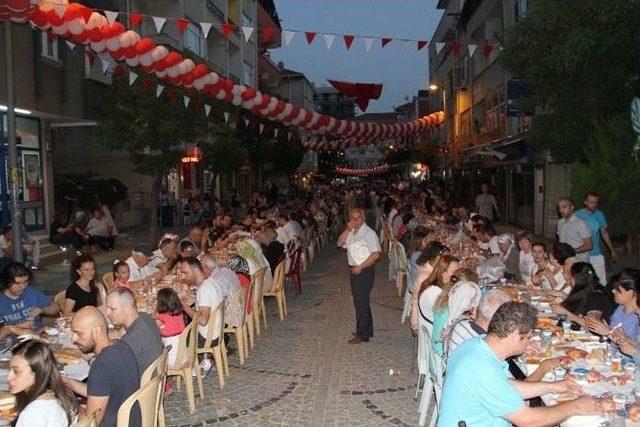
column 464, row 297
column 240, row 266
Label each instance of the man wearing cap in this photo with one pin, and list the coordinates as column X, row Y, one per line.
column 139, row 267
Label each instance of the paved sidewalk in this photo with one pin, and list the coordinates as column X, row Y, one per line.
column 302, row 371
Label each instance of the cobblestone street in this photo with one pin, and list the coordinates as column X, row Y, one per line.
column 302, row 370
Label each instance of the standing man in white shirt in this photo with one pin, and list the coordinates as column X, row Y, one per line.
column 486, row 204
column 363, row 252
column 574, row 231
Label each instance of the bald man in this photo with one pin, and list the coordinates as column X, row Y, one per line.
column 114, row 374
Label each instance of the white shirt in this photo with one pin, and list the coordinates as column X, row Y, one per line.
column 363, row 242
column 526, row 264
column 428, row 300
column 43, row 413
column 208, row 295
column 493, row 246
column 157, row 258
column 228, row 284
column 139, row 273
column 573, row 231
column 98, row 227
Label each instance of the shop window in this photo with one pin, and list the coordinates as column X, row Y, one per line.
column 49, row 47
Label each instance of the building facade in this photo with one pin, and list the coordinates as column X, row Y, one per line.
column 483, row 136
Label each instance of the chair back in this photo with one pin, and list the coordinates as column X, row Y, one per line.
column 239, row 307
column 257, row 279
column 148, row 397
column 89, row 420
column 278, row 277
column 424, row 347
column 158, row 368
column 187, row 345
column 436, row 370
column 108, row 279
column 215, row 326
column 296, row 256
column 401, row 256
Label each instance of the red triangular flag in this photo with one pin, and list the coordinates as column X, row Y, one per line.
column 456, row 47
column 421, row 44
column 182, row 25
column 348, row 41
column 487, row 49
column 135, row 18
column 385, row 41
column 310, row 36
column 146, row 85
column 118, row 70
column 86, row 14
column 226, row 29
column 267, row 34
column 197, row 105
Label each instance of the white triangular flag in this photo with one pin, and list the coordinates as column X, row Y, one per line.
column 70, row 45
column 60, row 9
column 328, row 39
column 472, row 49
column 226, row 116
column 246, row 123
column 275, row 132
column 111, row 15
column 289, row 136
column 159, row 90
column 440, row 46
column 207, row 109
column 287, row 36
column 159, row 21
column 206, row 27
column 247, row 31
column 33, row 25
column 105, row 64
column 368, row 42
column 261, row 128
column 403, row 44
column 186, row 100
column 132, row 77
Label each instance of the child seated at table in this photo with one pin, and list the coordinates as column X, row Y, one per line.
column 170, row 320
column 121, row 274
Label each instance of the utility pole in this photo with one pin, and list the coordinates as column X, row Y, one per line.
column 14, row 174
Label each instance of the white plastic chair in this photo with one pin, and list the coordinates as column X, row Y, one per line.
column 436, row 376
column 402, row 266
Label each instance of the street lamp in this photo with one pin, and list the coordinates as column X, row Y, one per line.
column 433, row 87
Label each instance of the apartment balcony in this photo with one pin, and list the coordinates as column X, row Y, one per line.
column 268, row 73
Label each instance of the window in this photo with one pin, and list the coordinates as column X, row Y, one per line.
column 246, row 20
column 520, row 9
column 247, row 71
column 49, row 47
column 193, row 40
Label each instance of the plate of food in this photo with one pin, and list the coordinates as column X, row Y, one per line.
column 68, row 355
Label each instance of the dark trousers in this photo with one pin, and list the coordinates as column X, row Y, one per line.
column 103, row 242
column 361, row 285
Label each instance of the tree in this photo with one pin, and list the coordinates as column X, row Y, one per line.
column 611, row 170
column 426, row 151
column 580, row 60
column 150, row 130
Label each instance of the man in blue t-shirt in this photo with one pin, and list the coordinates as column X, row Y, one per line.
column 114, row 374
column 20, row 304
column 598, row 226
column 477, row 389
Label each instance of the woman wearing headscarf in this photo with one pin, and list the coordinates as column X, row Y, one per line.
column 509, row 255
column 464, row 298
column 272, row 249
column 240, row 266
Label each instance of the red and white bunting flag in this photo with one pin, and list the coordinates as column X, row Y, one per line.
column 385, row 41
column 226, row 116
column 159, row 23
column 246, row 122
column 105, row 64
column 368, row 42
column 287, row 36
column 275, row 132
column 71, row 45
column 206, row 27
column 132, row 77
column 247, row 31
column 472, row 49
column 487, row 49
column 186, row 100
column 226, row 29
column 60, row 9
column 111, row 16
column 159, row 90
column 310, row 35
column 182, row 25
column 261, row 128
column 439, row 47
column 328, row 40
column 421, row 44
column 403, row 44
column 348, row 40
column 135, row 18
column 207, row 109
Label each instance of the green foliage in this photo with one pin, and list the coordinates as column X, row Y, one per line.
column 580, row 58
column 611, row 171
column 426, row 151
column 88, row 189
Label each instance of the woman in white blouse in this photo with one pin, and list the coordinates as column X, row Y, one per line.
column 42, row 398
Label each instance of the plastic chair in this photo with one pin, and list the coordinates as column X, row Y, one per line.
column 187, row 362
column 277, row 291
column 258, row 300
column 148, row 397
column 402, row 264
column 215, row 327
column 158, row 369
column 294, row 271
column 108, row 279
column 436, row 376
column 248, row 320
column 237, row 325
column 89, row 420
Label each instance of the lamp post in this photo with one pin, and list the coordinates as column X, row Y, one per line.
column 433, row 87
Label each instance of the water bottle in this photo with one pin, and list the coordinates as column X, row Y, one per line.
column 462, row 424
column 619, row 419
